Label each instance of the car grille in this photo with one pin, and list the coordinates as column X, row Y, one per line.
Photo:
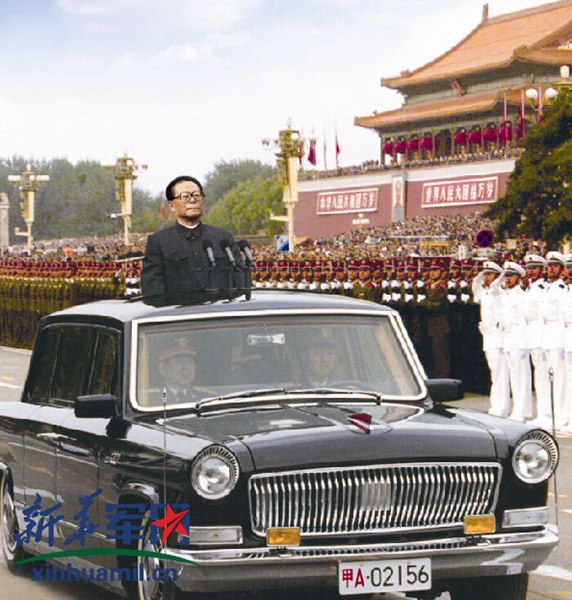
column 380, row 498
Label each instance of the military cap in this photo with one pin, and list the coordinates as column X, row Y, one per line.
column 490, row 266
column 437, row 263
column 556, row 257
column 534, row 260
column 353, row 264
column 179, row 348
column 467, row 263
column 569, row 260
column 513, row 268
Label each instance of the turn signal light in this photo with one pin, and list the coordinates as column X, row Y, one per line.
column 475, row 525
column 283, row 536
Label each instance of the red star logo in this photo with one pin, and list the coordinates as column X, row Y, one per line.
column 172, row 521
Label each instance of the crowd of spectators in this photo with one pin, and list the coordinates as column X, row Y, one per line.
column 377, row 166
column 398, row 242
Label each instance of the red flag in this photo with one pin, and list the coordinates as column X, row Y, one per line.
column 301, row 151
column 521, row 117
column 337, row 150
column 312, row 152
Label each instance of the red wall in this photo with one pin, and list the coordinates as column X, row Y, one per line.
column 308, row 223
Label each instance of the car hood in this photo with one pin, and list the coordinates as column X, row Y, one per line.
column 302, row 436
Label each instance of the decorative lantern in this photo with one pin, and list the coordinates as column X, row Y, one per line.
column 505, row 133
column 460, row 140
column 387, row 148
column 401, row 146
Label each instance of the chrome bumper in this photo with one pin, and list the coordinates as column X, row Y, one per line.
column 303, row 566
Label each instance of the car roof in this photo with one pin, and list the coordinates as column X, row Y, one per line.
column 125, row 311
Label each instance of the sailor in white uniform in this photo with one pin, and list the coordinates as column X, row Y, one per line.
column 486, row 291
column 513, row 326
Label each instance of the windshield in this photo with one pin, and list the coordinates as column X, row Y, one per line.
column 187, row 361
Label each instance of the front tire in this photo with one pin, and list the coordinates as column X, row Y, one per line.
column 149, row 589
column 11, row 551
column 507, row 587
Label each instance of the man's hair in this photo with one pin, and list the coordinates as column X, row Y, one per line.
column 169, row 192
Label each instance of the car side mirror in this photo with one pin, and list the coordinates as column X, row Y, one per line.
column 445, row 390
column 96, row 406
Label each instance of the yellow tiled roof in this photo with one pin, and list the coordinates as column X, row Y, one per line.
column 456, row 105
column 497, row 41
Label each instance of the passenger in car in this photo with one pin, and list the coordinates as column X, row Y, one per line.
column 177, row 367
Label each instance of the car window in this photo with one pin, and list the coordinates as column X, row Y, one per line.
column 104, row 373
column 72, row 363
column 42, row 367
column 222, row 356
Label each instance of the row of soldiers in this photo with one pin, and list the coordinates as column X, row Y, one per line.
column 401, row 280
column 526, row 324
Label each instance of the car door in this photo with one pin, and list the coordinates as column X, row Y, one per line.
column 60, row 360
column 80, row 446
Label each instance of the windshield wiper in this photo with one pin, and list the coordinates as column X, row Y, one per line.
column 328, row 390
column 243, row 394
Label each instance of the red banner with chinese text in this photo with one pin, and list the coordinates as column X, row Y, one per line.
column 478, row 190
column 347, row 201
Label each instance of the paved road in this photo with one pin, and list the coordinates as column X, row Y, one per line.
column 552, row 581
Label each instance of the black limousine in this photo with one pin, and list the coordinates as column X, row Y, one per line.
column 288, row 440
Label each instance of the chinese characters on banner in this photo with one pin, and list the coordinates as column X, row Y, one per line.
column 465, row 191
column 347, row 201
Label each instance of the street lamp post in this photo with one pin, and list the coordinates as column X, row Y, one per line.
column 542, row 96
column 28, row 183
column 288, row 150
column 125, row 172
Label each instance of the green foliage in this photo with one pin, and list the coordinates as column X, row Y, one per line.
column 227, row 175
column 246, row 208
column 147, row 211
column 78, row 201
column 538, row 200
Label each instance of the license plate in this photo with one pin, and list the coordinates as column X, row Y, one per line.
column 373, row 576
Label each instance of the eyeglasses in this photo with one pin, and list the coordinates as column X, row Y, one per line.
column 187, row 196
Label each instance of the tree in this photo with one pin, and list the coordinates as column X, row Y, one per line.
column 147, row 211
column 246, row 208
column 226, row 175
column 538, row 200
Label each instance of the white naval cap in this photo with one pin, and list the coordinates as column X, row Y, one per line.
column 534, row 260
column 513, row 268
column 491, row 267
column 569, row 260
column 556, row 257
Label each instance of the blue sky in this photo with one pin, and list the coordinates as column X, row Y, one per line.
column 181, row 84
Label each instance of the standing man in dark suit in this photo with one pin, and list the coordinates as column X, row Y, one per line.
column 178, row 267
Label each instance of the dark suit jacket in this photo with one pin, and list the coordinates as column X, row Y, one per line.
column 176, row 268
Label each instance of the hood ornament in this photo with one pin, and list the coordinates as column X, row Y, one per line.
column 361, row 420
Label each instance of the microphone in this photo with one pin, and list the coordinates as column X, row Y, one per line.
column 208, row 248
column 225, row 247
column 245, row 247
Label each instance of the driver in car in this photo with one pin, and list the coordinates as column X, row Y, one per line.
column 318, row 356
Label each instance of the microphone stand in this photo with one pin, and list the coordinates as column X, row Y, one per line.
column 212, row 296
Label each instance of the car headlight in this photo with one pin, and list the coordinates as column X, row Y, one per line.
column 214, row 473
column 535, row 457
